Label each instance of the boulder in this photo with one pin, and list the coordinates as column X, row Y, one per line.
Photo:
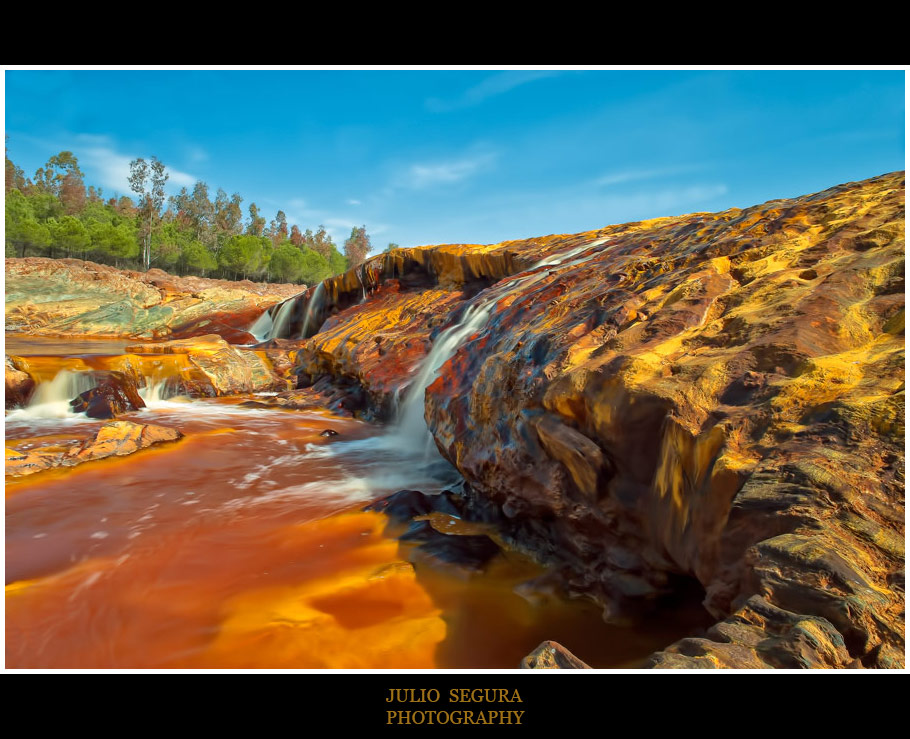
column 114, row 394
column 19, row 384
column 116, row 438
column 551, row 655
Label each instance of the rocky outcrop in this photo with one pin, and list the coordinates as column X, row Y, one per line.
column 551, row 655
column 712, row 396
column 114, row 439
column 19, row 384
column 59, row 297
column 114, row 394
column 211, row 366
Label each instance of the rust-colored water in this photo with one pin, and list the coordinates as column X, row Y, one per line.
column 244, row 546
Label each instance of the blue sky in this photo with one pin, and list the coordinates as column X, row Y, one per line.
column 424, row 157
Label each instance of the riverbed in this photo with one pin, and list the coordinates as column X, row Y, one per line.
column 245, row 545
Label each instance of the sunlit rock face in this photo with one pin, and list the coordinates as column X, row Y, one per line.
column 714, row 396
column 114, row 439
column 211, row 366
column 19, row 384
column 56, row 297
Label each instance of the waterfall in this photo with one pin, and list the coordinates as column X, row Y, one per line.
column 157, row 390
column 262, row 328
column 52, row 399
column 282, row 319
column 410, row 425
column 313, row 309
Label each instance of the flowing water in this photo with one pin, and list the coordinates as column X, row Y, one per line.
column 244, row 545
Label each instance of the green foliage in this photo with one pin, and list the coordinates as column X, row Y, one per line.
column 242, row 255
column 287, row 263
column 117, row 242
column 24, row 235
column 70, row 235
column 315, row 267
column 195, row 258
column 337, row 261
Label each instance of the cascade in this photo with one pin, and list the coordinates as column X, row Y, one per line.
column 313, row 309
column 410, row 425
column 52, row 399
column 262, row 327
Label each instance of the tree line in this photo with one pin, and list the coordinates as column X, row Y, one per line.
column 54, row 214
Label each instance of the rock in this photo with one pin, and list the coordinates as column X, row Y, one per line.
column 215, row 367
column 462, row 555
column 715, row 396
column 60, row 297
column 114, row 394
column 116, row 438
column 407, row 504
column 329, row 432
column 19, row 384
column 551, row 655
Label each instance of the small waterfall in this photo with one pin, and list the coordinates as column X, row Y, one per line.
column 410, row 424
column 410, row 421
column 283, row 319
column 262, row 328
column 157, row 390
column 52, row 399
column 313, row 310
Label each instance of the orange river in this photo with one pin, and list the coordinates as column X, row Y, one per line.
column 244, row 546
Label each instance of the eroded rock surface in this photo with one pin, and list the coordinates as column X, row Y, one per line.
column 19, row 384
column 715, row 396
column 214, row 367
column 59, row 297
column 551, row 655
column 116, row 438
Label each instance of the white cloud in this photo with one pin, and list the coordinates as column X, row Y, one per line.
column 113, row 168
column 492, row 86
column 421, row 176
column 638, row 175
column 354, row 202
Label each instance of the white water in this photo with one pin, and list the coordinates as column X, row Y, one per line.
column 52, row 399
column 410, row 426
column 262, row 327
column 313, row 304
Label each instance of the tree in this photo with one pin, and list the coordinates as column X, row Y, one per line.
column 257, row 222
column 147, row 181
column 194, row 257
column 287, row 263
column 357, row 246
column 242, row 255
column 70, row 235
column 315, row 268
column 118, row 242
column 337, row 261
column 22, row 229
column 392, row 245
column 296, row 237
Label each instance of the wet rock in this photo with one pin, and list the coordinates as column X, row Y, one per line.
column 698, row 395
column 114, row 394
column 329, row 432
column 551, row 655
column 407, row 504
column 214, row 367
column 116, row 438
column 19, row 384
column 461, row 555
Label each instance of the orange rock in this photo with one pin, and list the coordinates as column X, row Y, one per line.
column 714, row 396
column 116, row 438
